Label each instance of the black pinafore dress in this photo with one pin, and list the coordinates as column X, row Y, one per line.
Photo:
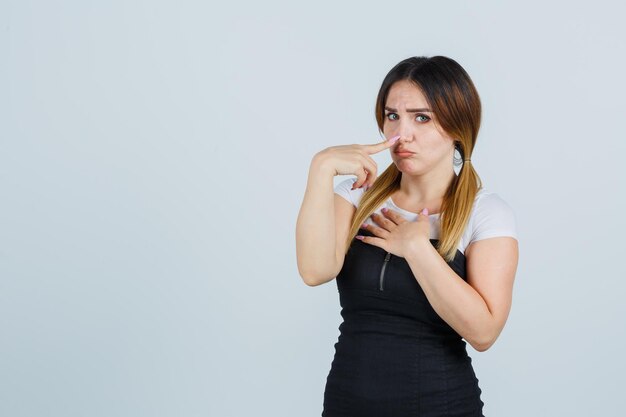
column 395, row 356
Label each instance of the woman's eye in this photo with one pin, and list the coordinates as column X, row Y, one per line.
column 425, row 118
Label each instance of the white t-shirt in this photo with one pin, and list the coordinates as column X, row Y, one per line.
column 491, row 216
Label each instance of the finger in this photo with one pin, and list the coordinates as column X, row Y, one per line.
column 381, row 146
column 361, row 176
column 393, row 215
column 376, row 241
column 372, row 169
column 369, row 173
column 387, row 224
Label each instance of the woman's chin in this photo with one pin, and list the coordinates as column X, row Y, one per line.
column 409, row 167
column 406, row 163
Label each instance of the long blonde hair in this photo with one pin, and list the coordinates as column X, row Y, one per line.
column 455, row 102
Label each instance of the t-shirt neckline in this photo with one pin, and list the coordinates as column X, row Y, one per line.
column 406, row 211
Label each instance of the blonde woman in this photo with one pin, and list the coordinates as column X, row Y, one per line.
column 424, row 259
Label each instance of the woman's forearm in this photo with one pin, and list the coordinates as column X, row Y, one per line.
column 454, row 300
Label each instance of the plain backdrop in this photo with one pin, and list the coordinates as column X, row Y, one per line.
column 154, row 156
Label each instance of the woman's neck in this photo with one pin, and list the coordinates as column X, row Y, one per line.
column 425, row 188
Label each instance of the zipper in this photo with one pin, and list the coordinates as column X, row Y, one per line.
column 382, row 271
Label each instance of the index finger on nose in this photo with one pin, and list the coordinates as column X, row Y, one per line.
column 377, row 147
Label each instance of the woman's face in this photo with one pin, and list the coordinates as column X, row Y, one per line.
column 419, row 133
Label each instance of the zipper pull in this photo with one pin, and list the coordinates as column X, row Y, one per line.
column 382, row 271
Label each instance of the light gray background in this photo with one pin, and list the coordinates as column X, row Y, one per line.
column 154, row 156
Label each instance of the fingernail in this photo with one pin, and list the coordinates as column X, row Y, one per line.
column 394, row 139
column 425, row 211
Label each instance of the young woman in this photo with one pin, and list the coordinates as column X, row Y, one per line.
column 424, row 259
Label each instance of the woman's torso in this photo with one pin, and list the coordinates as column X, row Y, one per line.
column 395, row 355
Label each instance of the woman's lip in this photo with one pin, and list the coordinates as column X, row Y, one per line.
column 405, row 153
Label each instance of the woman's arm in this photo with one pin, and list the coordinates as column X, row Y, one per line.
column 315, row 227
column 324, row 220
column 476, row 309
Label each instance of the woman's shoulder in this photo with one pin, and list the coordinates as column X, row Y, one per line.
column 487, row 200
column 492, row 216
column 344, row 189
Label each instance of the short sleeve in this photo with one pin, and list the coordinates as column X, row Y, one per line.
column 344, row 189
column 493, row 217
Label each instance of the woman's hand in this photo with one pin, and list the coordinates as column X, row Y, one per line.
column 396, row 234
column 354, row 159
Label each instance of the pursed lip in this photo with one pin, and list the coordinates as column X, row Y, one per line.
column 402, row 151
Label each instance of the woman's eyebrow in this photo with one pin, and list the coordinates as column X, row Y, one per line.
column 410, row 110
